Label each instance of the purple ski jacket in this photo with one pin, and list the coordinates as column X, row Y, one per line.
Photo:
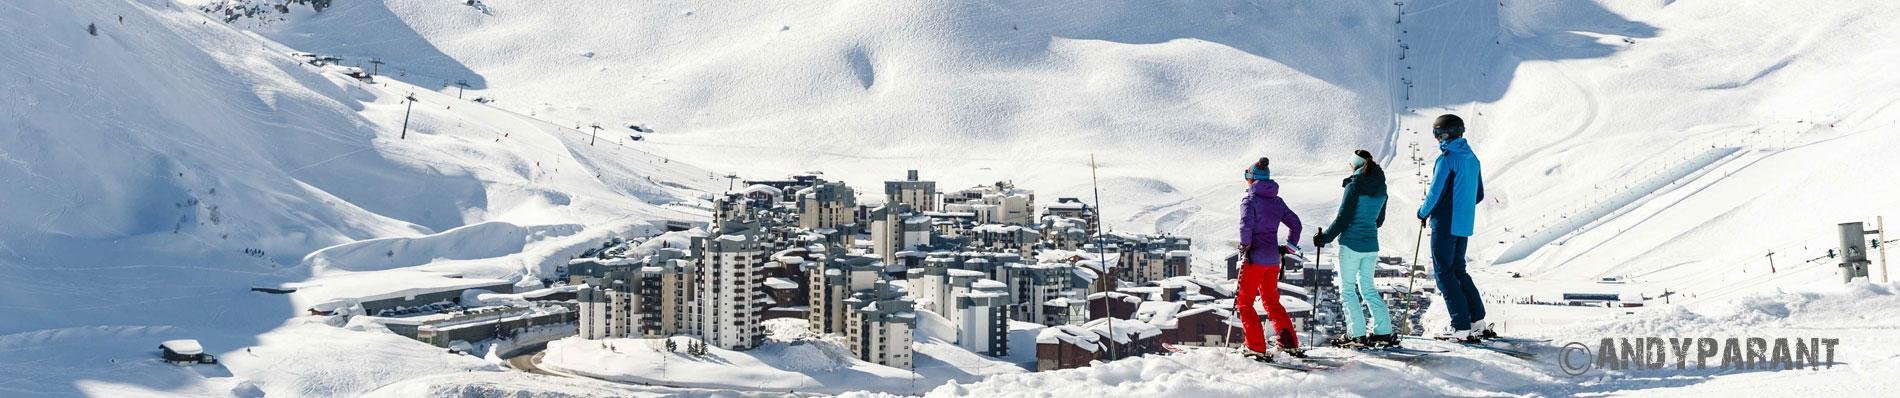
column 1261, row 215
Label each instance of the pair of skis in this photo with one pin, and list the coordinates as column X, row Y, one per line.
column 1300, row 364
column 1321, row 363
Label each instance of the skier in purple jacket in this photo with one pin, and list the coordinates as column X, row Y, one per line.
column 1262, row 213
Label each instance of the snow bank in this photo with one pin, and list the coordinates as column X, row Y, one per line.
column 349, row 362
column 1219, row 373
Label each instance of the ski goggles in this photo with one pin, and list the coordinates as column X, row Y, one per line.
column 1441, row 131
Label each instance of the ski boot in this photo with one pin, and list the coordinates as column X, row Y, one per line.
column 1296, row 352
column 1483, row 330
column 1342, row 341
column 1382, row 340
column 1466, row 336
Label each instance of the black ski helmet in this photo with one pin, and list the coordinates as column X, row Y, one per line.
column 1447, row 127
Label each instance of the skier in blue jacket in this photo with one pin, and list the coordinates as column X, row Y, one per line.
column 1356, row 226
column 1457, row 188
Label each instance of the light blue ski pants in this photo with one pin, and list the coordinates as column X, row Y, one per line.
column 1358, row 294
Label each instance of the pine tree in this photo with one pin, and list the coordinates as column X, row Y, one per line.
column 669, row 345
column 92, row 29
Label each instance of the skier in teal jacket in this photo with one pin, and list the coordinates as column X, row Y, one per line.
column 1356, row 226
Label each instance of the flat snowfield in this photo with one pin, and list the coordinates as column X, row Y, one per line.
column 159, row 161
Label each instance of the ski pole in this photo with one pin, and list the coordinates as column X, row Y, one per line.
column 1411, row 270
column 1312, row 280
column 1228, row 338
column 1411, row 278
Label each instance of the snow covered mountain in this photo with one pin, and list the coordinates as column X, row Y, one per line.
column 163, row 164
column 161, row 168
column 1594, row 119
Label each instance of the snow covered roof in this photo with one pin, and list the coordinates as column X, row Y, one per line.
column 964, row 273
column 1291, row 304
column 1000, row 228
column 475, row 317
column 982, row 294
column 761, row 188
column 1117, row 295
column 1125, row 330
column 1085, row 273
column 1067, row 206
column 780, row 283
column 989, row 284
column 1294, row 288
column 1179, row 281
column 1219, row 310
column 1057, row 302
column 1158, row 313
column 183, row 346
column 329, row 292
column 1072, row 335
column 477, row 297
column 1148, row 292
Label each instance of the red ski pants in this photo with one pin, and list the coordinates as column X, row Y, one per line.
column 1257, row 280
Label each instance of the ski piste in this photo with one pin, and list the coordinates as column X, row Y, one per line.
column 1480, row 345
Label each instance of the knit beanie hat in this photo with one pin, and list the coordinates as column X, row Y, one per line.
column 1259, row 171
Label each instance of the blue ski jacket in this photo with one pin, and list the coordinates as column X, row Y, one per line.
column 1457, row 187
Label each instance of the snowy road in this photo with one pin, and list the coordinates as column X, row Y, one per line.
column 525, row 363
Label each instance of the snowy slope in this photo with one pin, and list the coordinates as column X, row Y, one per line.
column 1175, row 96
column 798, row 85
column 147, row 164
